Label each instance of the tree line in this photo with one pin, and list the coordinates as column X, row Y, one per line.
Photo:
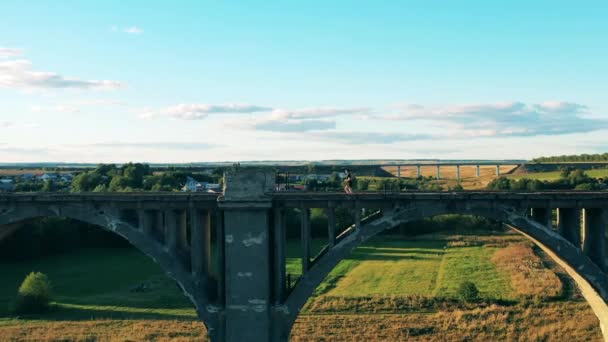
column 603, row 157
column 569, row 180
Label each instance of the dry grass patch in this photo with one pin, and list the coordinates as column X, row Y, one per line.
column 529, row 277
column 103, row 330
column 551, row 322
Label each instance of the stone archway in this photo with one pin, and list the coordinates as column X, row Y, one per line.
column 109, row 219
column 569, row 253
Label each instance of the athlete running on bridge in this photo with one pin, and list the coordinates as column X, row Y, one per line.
column 348, row 182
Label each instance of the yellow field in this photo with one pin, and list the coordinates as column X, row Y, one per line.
column 449, row 172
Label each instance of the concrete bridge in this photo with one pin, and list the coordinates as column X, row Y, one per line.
column 476, row 164
column 239, row 288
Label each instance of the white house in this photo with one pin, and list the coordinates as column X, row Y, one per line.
column 192, row 185
column 214, row 188
column 48, row 177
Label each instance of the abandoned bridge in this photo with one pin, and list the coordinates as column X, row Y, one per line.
column 228, row 252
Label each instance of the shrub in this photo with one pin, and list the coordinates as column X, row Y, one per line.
column 467, row 292
column 34, row 294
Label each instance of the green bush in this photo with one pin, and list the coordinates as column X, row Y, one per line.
column 467, row 292
column 34, row 294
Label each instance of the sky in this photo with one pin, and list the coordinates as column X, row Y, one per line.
column 196, row 81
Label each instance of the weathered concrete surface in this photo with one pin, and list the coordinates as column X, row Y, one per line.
column 249, row 313
column 599, row 307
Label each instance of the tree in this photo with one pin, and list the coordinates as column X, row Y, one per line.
column 87, row 181
column 467, row 292
column 34, row 294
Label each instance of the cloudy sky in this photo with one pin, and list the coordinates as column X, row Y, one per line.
column 188, row 81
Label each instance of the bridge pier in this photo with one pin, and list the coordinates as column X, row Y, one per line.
column 398, row 171
column 542, row 216
column 280, row 242
column 477, row 171
column 184, row 244
column 569, row 225
column 200, row 241
column 171, row 233
column 594, row 244
column 458, row 172
column 498, row 170
column 438, row 172
column 305, row 238
column 249, row 270
column 331, row 225
column 418, row 171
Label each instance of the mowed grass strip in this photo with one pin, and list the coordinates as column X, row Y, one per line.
column 392, row 266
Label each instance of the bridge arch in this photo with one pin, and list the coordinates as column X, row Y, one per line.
column 510, row 216
column 109, row 219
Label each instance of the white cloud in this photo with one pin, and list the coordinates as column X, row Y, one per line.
column 318, row 112
column 156, row 145
column 290, row 126
column 202, row 111
column 18, row 73
column 504, row 119
column 5, row 124
column 133, row 30
column 129, row 29
column 364, row 138
column 76, row 106
column 10, row 52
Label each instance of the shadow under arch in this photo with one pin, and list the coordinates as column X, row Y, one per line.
column 568, row 252
column 109, row 219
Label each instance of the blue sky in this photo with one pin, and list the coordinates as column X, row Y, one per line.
column 116, row 81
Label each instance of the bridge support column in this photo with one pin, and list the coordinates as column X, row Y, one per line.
column 543, row 216
column 159, row 226
column 144, row 221
column 357, row 218
column 250, row 313
column 477, row 173
column 594, row 245
column 498, row 170
column 171, row 233
column 200, row 241
column 569, row 224
column 438, row 172
column 219, row 240
column 418, row 171
column 305, row 236
column 398, row 171
column 280, row 242
column 331, row 225
column 458, row 172
column 184, row 244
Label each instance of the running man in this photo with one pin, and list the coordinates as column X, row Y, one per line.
column 348, row 182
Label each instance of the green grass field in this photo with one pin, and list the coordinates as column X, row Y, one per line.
column 92, row 288
column 96, row 283
column 553, row 175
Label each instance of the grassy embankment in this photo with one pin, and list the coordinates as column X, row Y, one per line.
column 388, row 289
